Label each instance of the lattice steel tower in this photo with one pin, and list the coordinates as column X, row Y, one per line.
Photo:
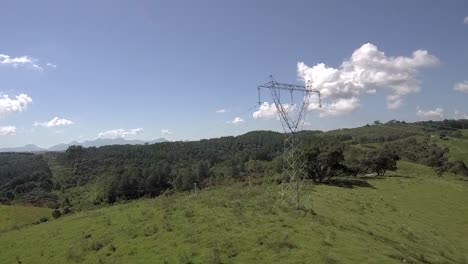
column 292, row 120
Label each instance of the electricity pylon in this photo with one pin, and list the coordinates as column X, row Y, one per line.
column 292, row 121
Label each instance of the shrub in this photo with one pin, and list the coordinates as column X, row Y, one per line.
column 458, row 167
column 42, row 220
column 56, row 214
column 66, row 210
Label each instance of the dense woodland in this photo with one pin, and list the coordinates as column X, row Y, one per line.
column 85, row 177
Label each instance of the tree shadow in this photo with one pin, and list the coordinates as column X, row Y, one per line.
column 349, row 183
column 374, row 177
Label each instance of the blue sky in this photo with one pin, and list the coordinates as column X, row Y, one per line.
column 147, row 66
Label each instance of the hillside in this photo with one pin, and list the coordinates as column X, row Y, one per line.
column 15, row 217
column 458, row 146
column 410, row 216
column 85, row 178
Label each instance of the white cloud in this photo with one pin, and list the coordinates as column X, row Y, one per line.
column 221, row 111
column 55, row 122
column 461, row 87
column 436, row 114
column 49, row 64
column 7, row 131
column 338, row 107
column 236, row 120
column 165, row 132
column 9, row 106
column 268, row 111
column 465, row 20
column 23, row 61
column 460, row 115
column 120, row 133
column 367, row 71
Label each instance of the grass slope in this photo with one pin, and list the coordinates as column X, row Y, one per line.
column 14, row 217
column 412, row 217
column 458, row 147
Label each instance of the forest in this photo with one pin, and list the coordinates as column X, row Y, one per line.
column 82, row 178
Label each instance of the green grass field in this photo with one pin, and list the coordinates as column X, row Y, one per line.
column 412, row 216
column 458, row 147
column 14, row 217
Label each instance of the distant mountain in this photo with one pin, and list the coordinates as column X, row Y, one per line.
column 27, row 148
column 88, row 143
column 62, row 146
column 105, row 142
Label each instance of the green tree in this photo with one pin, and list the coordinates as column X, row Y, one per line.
column 323, row 164
column 382, row 161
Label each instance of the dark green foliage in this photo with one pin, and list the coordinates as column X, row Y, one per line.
column 447, row 125
column 458, row 167
column 26, row 178
column 381, row 161
column 149, row 170
column 324, row 161
column 422, row 152
column 66, row 210
column 56, row 213
column 125, row 172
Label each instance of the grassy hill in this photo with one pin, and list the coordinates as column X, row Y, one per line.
column 15, row 217
column 411, row 216
column 458, row 146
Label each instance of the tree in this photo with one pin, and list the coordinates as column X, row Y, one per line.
column 381, row 161
column 323, row 163
column 355, row 161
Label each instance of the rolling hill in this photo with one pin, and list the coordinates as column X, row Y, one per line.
column 218, row 200
column 411, row 216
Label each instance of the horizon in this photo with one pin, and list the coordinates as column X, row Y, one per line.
column 148, row 70
column 382, row 122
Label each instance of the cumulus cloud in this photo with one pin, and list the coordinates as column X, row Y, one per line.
column 165, row 132
column 23, row 61
column 221, row 111
column 436, row 114
column 338, row 107
column 7, row 131
column 236, row 120
column 465, row 20
column 367, row 71
column 461, row 87
column 55, row 122
column 268, row 111
column 9, row 106
column 120, row 133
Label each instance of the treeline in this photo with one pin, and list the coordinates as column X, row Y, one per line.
column 445, row 128
column 133, row 171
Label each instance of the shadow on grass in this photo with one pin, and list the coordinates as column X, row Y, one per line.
column 374, row 177
column 349, row 183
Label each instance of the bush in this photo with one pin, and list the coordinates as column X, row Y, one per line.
column 66, row 210
column 458, row 167
column 56, row 214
